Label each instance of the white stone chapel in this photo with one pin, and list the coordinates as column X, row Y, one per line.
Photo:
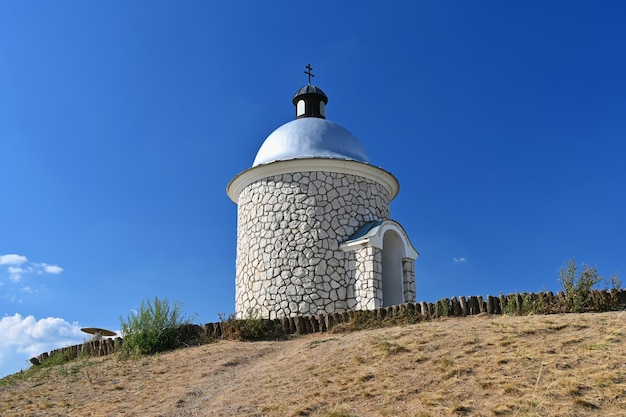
column 314, row 235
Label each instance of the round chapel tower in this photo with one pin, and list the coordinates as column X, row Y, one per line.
column 314, row 234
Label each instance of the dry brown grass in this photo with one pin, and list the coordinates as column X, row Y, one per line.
column 559, row 365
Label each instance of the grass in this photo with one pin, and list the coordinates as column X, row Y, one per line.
column 571, row 364
column 339, row 413
column 390, row 348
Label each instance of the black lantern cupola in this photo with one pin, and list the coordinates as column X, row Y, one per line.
column 310, row 101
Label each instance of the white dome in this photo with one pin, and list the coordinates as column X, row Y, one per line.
column 310, row 137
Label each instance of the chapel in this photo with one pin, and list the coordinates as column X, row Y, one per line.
column 314, row 233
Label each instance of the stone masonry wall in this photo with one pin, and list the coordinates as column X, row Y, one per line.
column 289, row 230
column 368, row 281
column 408, row 281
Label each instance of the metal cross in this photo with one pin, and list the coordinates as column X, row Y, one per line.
column 308, row 72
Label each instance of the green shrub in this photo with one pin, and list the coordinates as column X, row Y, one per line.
column 60, row 357
column 369, row 319
column 526, row 303
column 250, row 329
column 615, row 282
column 155, row 327
column 514, row 305
column 444, row 307
column 577, row 287
column 359, row 320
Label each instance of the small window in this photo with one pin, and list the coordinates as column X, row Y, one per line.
column 301, row 108
column 322, row 109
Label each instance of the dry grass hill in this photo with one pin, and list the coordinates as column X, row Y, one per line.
column 552, row 365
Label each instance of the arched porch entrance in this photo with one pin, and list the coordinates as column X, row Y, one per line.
column 392, row 277
column 384, row 265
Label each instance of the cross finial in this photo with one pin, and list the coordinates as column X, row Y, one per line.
column 308, row 72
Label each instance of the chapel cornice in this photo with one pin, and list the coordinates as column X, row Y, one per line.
column 342, row 166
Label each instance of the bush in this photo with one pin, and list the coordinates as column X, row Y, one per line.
column 369, row 319
column 615, row 282
column 524, row 304
column 250, row 329
column 154, row 328
column 577, row 287
column 58, row 358
column 444, row 308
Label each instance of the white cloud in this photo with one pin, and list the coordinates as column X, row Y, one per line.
column 15, row 273
column 12, row 259
column 18, row 267
column 459, row 260
column 25, row 337
column 51, row 269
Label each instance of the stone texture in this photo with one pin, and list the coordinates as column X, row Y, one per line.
column 307, row 215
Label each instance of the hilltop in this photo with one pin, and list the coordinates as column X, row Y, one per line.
column 485, row 365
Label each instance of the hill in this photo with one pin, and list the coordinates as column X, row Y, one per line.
column 553, row 365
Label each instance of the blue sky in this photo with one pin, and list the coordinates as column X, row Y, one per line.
column 122, row 122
